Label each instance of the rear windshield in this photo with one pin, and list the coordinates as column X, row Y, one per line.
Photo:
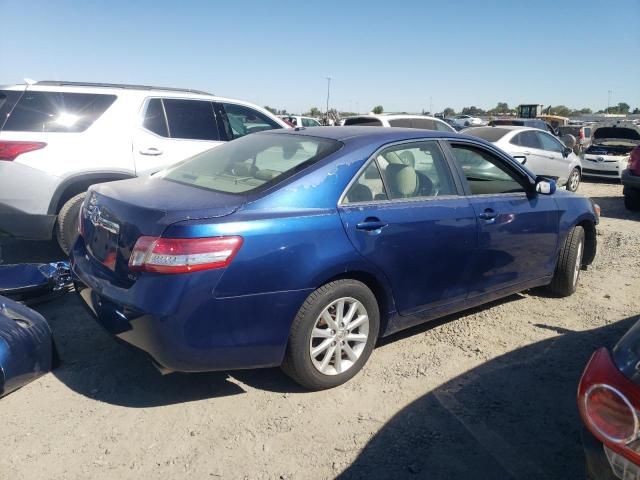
column 363, row 122
column 516, row 123
column 564, row 130
column 617, row 132
column 57, row 111
column 490, row 134
column 250, row 162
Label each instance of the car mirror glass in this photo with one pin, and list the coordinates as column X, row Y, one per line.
column 545, row 186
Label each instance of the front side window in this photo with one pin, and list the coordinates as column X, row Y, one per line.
column 250, row 162
column 309, row 122
column 485, row 173
column 401, row 123
column 244, row 120
column 549, row 143
column 191, row 119
column 529, row 139
column 57, row 111
column 154, row 118
column 418, row 169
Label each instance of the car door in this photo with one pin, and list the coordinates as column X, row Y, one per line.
column 517, row 229
column 530, row 152
column 173, row 129
column 405, row 214
column 557, row 163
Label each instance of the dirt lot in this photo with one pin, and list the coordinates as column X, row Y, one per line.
column 487, row 394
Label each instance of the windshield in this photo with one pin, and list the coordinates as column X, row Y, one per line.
column 250, row 162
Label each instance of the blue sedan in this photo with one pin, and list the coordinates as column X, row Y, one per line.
column 302, row 247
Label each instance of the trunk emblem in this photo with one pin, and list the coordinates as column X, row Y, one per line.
column 97, row 220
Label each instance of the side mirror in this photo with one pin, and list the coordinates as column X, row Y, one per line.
column 545, row 186
column 567, row 151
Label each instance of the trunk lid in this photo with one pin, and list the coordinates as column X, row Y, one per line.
column 116, row 214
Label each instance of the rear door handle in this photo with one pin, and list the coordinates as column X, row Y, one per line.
column 152, row 151
column 371, row 224
column 489, row 214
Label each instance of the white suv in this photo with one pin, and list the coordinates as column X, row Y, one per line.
column 58, row 138
column 421, row 122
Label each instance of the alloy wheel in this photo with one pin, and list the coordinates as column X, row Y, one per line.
column 339, row 336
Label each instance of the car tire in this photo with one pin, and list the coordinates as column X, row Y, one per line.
column 565, row 277
column 300, row 363
column 632, row 202
column 67, row 224
column 573, row 182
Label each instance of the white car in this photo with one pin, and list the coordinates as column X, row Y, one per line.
column 58, row 138
column 611, row 145
column 392, row 120
column 300, row 121
column 539, row 151
column 467, row 121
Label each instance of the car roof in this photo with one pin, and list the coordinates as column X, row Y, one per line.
column 504, row 128
column 374, row 134
column 393, row 116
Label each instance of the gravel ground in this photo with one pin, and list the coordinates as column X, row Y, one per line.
column 489, row 393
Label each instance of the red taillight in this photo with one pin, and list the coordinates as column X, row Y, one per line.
column 581, row 134
column 634, row 161
column 608, row 403
column 9, row 150
column 182, row 255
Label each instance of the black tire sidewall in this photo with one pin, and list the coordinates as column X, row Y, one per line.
column 299, row 364
column 67, row 225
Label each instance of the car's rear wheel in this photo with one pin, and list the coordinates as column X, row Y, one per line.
column 632, row 201
column 332, row 335
column 565, row 278
column 67, row 224
column 574, row 180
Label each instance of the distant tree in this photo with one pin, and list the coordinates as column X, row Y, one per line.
column 560, row 110
column 623, row 108
column 502, row 108
column 314, row 112
column 585, row 111
column 378, row 109
column 472, row 111
column 272, row 110
column 448, row 112
column 636, row 111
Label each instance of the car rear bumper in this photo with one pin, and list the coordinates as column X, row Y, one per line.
column 16, row 223
column 183, row 325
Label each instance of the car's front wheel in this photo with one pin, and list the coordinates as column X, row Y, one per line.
column 332, row 335
column 574, row 180
column 565, row 278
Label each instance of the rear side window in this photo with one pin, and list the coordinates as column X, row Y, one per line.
column 251, row 162
column 191, row 119
column 363, row 122
column 57, row 111
column 401, row 123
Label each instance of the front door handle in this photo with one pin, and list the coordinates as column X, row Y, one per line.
column 151, row 151
column 489, row 214
column 371, row 224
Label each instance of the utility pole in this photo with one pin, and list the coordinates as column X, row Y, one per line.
column 431, row 106
column 328, row 94
column 608, row 101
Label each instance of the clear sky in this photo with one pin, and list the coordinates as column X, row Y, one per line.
column 405, row 55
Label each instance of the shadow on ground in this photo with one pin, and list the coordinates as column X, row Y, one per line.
column 514, row 417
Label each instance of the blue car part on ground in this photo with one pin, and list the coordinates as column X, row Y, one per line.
column 30, row 282
column 26, row 346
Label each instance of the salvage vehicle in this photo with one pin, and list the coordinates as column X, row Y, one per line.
column 467, row 121
column 422, row 122
column 524, row 122
column 540, row 151
column 631, row 181
column 582, row 134
column 300, row 121
column 609, row 402
column 611, row 144
column 58, row 138
column 302, row 247
column 27, row 350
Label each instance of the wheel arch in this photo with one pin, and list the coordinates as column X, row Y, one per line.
column 590, row 241
column 73, row 185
